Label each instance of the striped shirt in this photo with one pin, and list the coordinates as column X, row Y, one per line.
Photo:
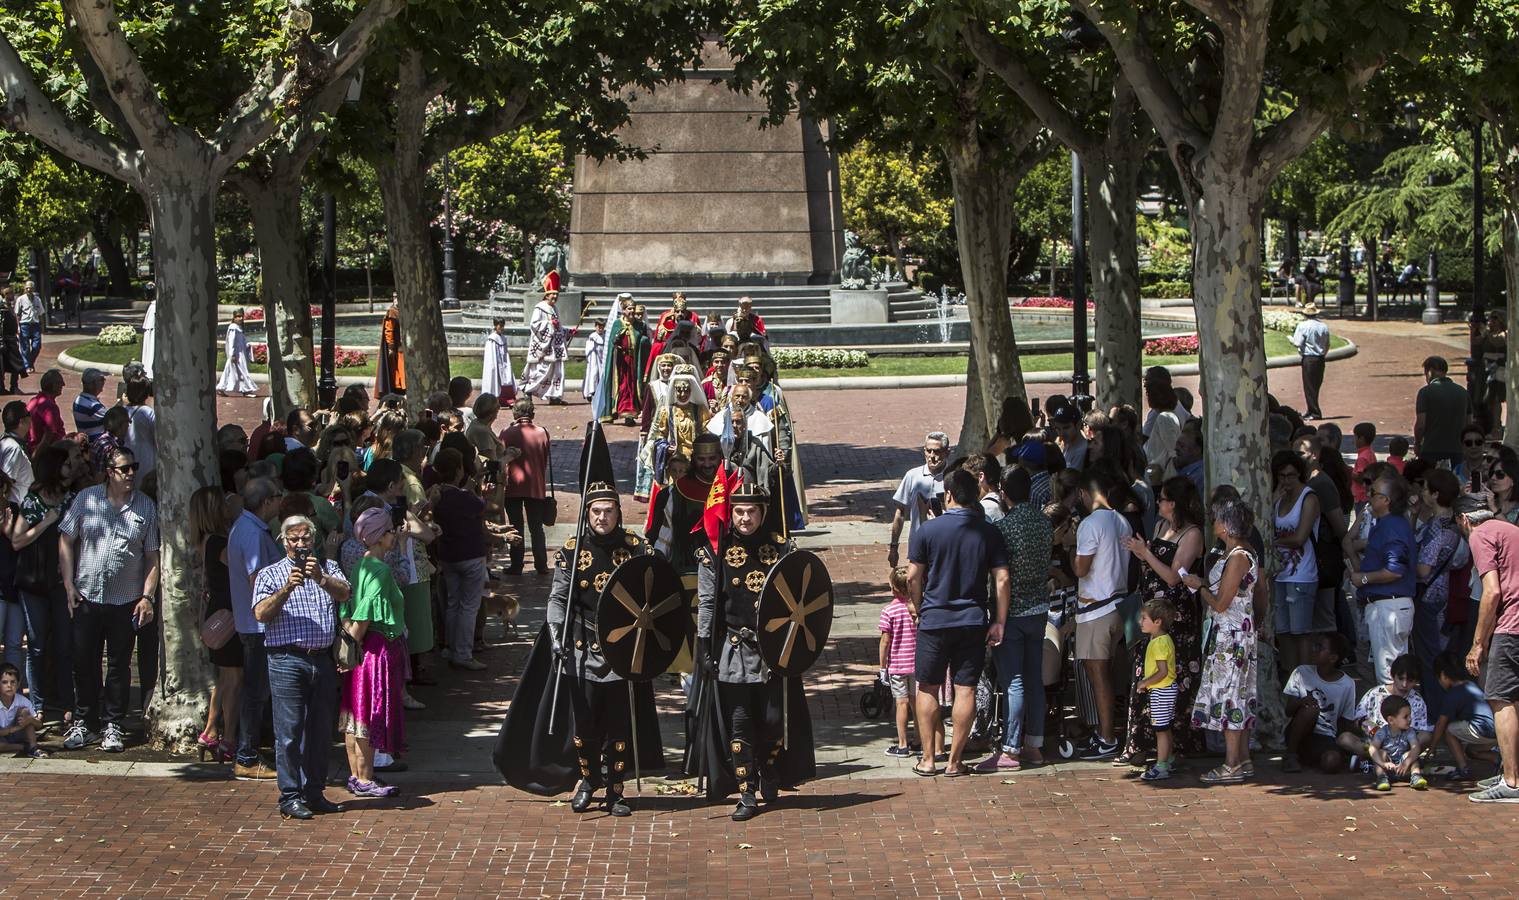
column 901, row 637
column 89, row 414
column 309, row 617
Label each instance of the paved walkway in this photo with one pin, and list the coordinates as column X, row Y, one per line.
column 866, row 827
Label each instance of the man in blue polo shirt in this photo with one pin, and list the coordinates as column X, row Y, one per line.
column 949, row 560
column 1384, row 574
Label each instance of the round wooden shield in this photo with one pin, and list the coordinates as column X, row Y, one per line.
column 642, row 618
column 795, row 613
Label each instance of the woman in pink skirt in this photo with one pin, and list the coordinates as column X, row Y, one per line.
column 374, row 614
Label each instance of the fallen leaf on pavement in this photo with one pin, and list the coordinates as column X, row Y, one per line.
column 746, row 846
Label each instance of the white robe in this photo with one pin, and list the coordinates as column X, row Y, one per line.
column 595, row 360
column 149, row 337
column 235, row 378
column 496, row 373
column 547, row 347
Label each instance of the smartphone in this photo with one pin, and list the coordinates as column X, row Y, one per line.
column 398, row 513
column 492, row 470
column 343, row 469
column 1034, row 405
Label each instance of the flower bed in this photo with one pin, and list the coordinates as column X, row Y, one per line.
column 1180, row 345
column 821, row 359
column 1281, row 320
column 256, row 313
column 1047, row 303
column 116, row 336
column 343, row 357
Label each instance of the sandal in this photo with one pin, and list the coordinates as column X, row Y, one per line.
column 1224, row 774
column 956, row 773
column 36, row 752
column 929, row 774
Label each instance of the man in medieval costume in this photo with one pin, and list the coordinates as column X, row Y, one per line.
column 669, row 321
column 235, row 376
column 755, row 740
column 714, row 382
column 769, row 399
column 390, row 373
column 548, row 346
column 595, row 359
column 591, row 747
column 675, row 511
column 620, row 394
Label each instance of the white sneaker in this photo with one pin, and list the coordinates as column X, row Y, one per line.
column 382, row 759
column 110, row 739
column 77, row 737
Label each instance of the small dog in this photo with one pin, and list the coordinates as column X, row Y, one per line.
column 499, row 602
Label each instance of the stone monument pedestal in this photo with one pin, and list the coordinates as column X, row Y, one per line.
column 570, row 302
column 859, row 306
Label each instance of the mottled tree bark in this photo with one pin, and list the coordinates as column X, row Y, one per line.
column 284, row 290
column 408, row 212
column 1113, row 250
column 181, row 205
column 983, row 192
column 1511, row 282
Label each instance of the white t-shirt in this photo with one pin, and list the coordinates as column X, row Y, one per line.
column 919, row 484
column 142, row 439
column 1100, row 536
column 1336, row 699
column 8, row 715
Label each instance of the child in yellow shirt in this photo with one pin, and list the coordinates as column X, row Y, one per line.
column 1160, row 681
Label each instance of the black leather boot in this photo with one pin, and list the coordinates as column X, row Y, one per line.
column 615, row 805
column 746, row 809
column 584, row 795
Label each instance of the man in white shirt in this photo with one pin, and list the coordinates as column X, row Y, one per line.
column 1102, row 573
column 31, row 312
column 14, row 460
column 1311, row 338
column 920, row 496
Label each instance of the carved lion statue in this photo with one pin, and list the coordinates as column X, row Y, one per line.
column 549, row 256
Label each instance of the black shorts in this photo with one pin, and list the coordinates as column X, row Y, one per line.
column 1500, row 676
column 961, row 651
column 1315, row 745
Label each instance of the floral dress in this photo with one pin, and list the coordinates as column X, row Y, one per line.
column 1226, row 698
column 1186, row 633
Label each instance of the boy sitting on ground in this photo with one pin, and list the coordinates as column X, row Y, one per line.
column 1406, row 674
column 1395, row 747
column 1466, row 721
column 1318, row 697
column 18, row 723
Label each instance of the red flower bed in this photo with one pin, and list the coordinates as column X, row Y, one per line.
column 1183, row 345
column 344, row 358
column 256, row 313
column 1047, row 303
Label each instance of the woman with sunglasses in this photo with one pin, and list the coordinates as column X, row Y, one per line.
column 1469, row 469
column 1294, row 593
column 1174, row 548
column 1500, row 482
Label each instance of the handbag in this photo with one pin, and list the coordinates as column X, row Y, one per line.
column 347, row 652
column 217, row 629
column 548, row 507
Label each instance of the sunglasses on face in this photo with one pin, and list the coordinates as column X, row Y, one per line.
column 1476, row 443
column 1496, row 474
column 127, row 469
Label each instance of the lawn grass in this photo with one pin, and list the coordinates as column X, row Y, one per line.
column 1276, row 345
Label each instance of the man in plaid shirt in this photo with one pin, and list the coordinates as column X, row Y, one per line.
column 297, row 600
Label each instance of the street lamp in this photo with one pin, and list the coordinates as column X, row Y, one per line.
column 1082, row 39
column 1479, row 238
column 327, row 381
column 1431, row 314
column 450, row 274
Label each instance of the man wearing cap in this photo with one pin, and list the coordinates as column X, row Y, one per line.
column 547, row 348
column 89, row 412
column 1068, row 435
column 728, row 590
column 599, row 697
column 1030, row 457
column 1495, row 649
column 1311, row 338
column 30, row 313
column 620, row 393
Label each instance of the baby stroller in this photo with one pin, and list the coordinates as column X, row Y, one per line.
column 877, row 700
column 1065, row 685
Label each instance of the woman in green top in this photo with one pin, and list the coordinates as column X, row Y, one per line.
column 370, row 716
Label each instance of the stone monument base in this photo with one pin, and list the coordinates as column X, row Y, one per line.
column 859, row 306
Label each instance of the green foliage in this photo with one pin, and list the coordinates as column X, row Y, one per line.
column 509, row 193
column 1421, row 193
column 894, row 198
column 1042, row 200
column 116, row 336
column 1165, row 250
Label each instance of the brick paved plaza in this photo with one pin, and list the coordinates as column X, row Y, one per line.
column 142, row 824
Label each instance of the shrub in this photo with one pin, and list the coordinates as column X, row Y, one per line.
column 1280, row 320
column 1168, row 288
column 116, row 336
column 820, row 359
column 1181, row 345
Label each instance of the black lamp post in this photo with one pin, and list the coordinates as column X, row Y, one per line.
column 1082, row 39
column 450, row 274
column 1347, row 278
column 1431, row 314
column 1479, row 237
column 327, row 384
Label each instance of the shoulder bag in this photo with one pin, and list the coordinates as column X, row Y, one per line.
column 548, row 507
